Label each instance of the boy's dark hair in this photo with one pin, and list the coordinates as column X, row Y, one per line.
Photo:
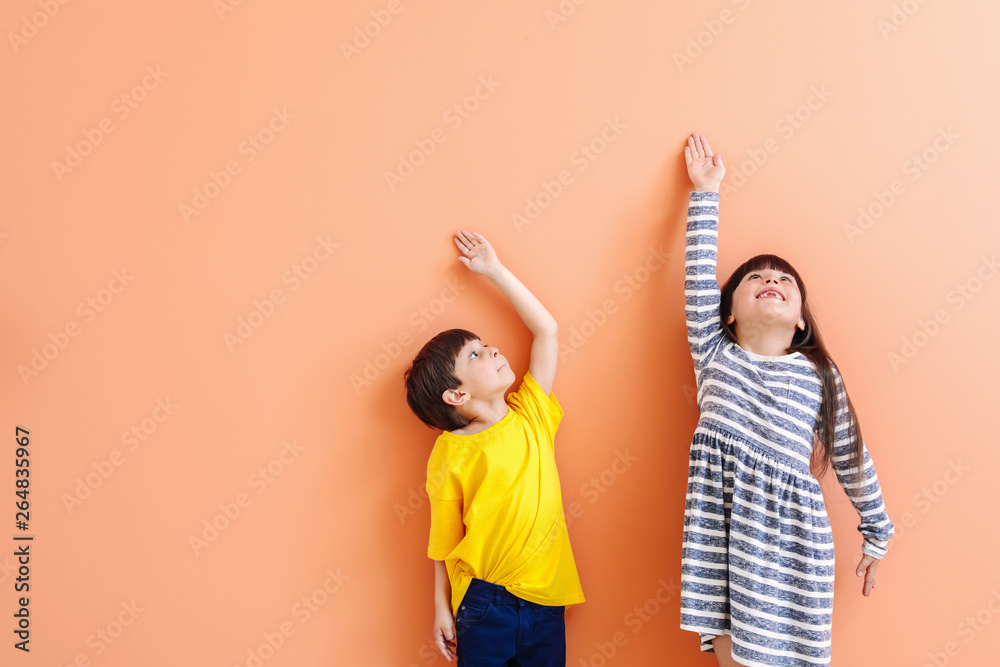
column 431, row 374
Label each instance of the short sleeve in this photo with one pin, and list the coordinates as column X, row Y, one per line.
column 445, row 494
column 540, row 410
column 447, row 527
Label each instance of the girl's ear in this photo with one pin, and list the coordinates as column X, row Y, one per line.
column 730, row 319
column 455, row 397
column 801, row 325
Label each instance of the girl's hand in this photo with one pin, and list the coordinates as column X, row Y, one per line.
column 444, row 627
column 479, row 255
column 704, row 167
column 867, row 568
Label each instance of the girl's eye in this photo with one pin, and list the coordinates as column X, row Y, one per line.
column 473, row 355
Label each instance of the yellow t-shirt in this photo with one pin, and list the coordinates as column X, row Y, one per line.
column 496, row 505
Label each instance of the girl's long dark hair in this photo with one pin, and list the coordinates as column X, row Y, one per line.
column 810, row 343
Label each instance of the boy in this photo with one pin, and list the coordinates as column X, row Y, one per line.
column 503, row 566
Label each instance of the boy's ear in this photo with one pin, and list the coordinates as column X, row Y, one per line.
column 455, row 397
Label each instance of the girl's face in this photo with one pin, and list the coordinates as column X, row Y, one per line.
column 767, row 297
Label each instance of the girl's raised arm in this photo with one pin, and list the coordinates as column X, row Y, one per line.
column 701, row 287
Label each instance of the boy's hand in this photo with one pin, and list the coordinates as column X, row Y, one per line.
column 444, row 627
column 479, row 255
column 705, row 168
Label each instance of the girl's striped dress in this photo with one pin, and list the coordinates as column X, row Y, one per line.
column 758, row 551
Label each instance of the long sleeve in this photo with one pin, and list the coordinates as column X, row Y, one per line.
column 701, row 288
column 865, row 495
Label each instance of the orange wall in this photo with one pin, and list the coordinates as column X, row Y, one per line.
column 219, row 259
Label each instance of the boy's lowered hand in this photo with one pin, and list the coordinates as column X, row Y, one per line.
column 444, row 627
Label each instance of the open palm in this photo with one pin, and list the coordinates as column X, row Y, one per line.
column 704, row 167
column 477, row 252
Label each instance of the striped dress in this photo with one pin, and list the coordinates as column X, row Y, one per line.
column 757, row 558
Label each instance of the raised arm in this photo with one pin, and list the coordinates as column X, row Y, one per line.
column 480, row 257
column 701, row 287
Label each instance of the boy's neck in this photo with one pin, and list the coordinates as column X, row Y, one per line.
column 483, row 414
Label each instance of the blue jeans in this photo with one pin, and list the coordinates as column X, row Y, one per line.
column 495, row 628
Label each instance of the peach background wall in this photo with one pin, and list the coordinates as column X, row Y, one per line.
column 211, row 290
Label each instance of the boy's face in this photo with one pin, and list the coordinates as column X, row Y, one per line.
column 482, row 370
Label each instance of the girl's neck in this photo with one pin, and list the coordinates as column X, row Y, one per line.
column 765, row 342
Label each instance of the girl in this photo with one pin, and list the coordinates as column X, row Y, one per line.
column 757, row 566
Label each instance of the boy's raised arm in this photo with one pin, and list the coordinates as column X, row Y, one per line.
column 479, row 257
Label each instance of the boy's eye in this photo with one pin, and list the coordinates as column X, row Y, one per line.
column 473, row 355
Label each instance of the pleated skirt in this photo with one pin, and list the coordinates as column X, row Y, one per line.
column 758, row 559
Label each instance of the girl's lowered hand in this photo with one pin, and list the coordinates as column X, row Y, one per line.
column 866, row 568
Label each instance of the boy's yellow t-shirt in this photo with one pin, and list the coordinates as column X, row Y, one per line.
column 496, row 505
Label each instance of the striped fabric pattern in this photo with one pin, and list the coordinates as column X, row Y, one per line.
column 758, row 559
